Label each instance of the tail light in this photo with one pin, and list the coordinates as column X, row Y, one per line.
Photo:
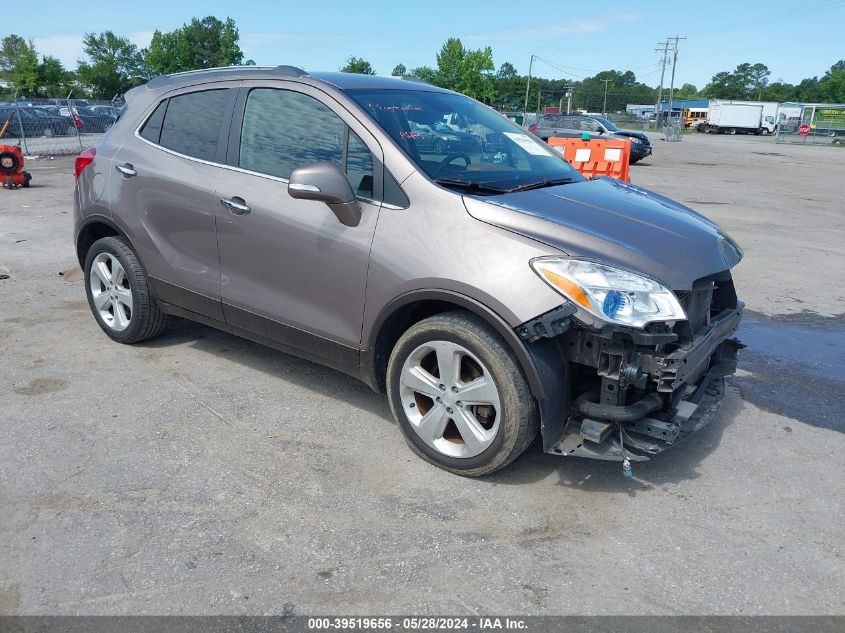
column 533, row 128
column 84, row 159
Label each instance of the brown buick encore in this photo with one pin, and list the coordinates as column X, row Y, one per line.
column 420, row 241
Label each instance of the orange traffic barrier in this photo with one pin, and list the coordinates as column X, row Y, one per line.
column 596, row 157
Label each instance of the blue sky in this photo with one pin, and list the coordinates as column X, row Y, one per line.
column 795, row 40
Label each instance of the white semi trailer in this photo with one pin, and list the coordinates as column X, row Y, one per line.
column 725, row 117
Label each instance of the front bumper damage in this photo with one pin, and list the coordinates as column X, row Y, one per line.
column 636, row 393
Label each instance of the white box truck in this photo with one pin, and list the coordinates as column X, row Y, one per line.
column 735, row 118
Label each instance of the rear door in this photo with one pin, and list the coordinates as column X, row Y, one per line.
column 163, row 192
column 290, row 270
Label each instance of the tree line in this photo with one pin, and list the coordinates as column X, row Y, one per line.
column 751, row 82
column 113, row 64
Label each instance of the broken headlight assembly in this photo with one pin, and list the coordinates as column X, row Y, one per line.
column 610, row 294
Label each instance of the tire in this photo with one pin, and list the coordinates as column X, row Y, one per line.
column 732, row 131
column 764, row 131
column 486, row 362
column 143, row 319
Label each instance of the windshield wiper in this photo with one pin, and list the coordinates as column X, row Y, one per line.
column 541, row 184
column 479, row 187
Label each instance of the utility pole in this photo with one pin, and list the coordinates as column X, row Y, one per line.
column 527, row 88
column 604, row 106
column 664, row 48
column 674, row 63
column 539, row 92
column 568, row 88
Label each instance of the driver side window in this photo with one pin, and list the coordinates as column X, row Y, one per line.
column 283, row 130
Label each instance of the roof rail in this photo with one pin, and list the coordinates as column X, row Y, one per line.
column 289, row 71
column 222, row 71
column 416, row 80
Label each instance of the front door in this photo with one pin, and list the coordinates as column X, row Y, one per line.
column 290, row 271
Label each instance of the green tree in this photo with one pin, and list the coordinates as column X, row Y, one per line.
column 425, row 73
column 449, row 61
column 747, row 81
column 466, row 71
column 399, row 70
column 832, row 85
column 687, row 91
column 475, row 76
column 19, row 63
column 205, row 43
column 358, row 65
column 53, row 79
column 114, row 64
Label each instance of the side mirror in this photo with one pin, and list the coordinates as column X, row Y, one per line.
column 327, row 183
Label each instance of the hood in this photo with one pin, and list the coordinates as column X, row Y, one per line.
column 616, row 223
column 632, row 133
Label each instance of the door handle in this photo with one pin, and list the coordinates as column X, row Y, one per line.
column 126, row 170
column 235, row 205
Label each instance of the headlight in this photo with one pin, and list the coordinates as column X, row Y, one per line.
column 611, row 294
column 634, row 139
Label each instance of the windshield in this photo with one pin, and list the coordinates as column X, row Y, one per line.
column 608, row 124
column 461, row 143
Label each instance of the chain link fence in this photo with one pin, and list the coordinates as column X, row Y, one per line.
column 818, row 124
column 55, row 127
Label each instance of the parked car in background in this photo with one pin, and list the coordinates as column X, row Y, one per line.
column 575, row 125
column 108, row 110
column 91, row 121
column 495, row 294
column 59, row 125
column 441, row 138
column 36, row 122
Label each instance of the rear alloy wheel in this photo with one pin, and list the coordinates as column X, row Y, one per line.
column 459, row 395
column 118, row 294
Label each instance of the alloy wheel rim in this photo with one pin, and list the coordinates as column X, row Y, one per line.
column 450, row 399
column 111, row 292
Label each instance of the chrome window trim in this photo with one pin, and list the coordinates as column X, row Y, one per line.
column 286, row 181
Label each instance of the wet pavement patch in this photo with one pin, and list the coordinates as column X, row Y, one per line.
column 796, row 365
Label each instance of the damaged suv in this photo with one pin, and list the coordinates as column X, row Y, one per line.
column 486, row 286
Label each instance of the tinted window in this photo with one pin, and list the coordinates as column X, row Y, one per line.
column 192, row 123
column 152, row 128
column 567, row 122
column 283, row 130
column 359, row 166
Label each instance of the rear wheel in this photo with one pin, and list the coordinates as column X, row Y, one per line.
column 118, row 293
column 459, row 395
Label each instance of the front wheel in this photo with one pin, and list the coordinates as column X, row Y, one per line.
column 459, row 395
column 118, row 293
column 764, row 131
column 732, row 131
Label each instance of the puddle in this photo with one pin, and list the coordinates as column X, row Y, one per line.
column 797, row 366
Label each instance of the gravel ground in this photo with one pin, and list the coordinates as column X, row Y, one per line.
column 201, row 473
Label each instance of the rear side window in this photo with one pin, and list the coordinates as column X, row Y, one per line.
column 152, row 128
column 192, row 123
column 283, row 130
